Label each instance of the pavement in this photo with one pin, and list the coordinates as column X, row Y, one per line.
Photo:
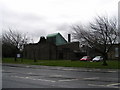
column 37, row 76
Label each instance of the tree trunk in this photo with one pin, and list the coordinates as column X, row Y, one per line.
column 104, row 62
column 15, row 59
column 16, row 52
column 22, row 57
column 35, row 60
column 105, row 57
column 35, row 57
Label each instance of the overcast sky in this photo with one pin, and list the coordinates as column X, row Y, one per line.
column 42, row 17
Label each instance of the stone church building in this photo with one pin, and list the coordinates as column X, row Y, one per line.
column 53, row 47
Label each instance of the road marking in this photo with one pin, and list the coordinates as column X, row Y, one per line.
column 18, row 77
column 67, row 80
column 97, row 85
column 55, row 75
column 27, row 77
column 34, row 78
column 46, row 80
column 92, row 78
column 69, row 69
column 109, row 85
column 27, row 66
column 97, row 69
column 58, row 67
column 112, row 71
column 12, row 67
column 113, row 85
column 30, row 73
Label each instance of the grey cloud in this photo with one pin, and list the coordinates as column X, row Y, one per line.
column 24, row 22
column 10, row 16
column 33, row 18
column 21, row 19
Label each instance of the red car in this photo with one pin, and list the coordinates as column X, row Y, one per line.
column 85, row 58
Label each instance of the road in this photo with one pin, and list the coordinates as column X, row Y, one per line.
column 32, row 76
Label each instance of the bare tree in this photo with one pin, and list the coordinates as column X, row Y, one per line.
column 16, row 39
column 100, row 35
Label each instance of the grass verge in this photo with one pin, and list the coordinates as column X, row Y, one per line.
column 112, row 64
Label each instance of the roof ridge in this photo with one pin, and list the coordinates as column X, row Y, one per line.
column 53, row 34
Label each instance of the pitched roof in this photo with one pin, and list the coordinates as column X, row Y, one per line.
column 52, row 35
column 58, row 38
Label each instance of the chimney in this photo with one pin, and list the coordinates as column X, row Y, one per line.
column 69, row 37
column 42, row 39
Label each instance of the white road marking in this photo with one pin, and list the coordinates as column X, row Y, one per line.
column 92, row 78
column 58, row 67
column 55, row 75
column 46, row 80
column 28, row 66
column 30, row 73
column 97, row 69
column 12, row 67
column 112, row 85
column 19, row 77
column 109, row 85
column 67, row 80
column 97, row 85
column 34, row 78
column 26, row 77
column 69, row 69
column 112, row 71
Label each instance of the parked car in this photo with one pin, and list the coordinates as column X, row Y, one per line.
column 85, row 58
column 97, row 58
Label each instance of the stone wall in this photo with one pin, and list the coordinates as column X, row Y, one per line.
column 67, row 51
column 41, row 51
column 49, row 51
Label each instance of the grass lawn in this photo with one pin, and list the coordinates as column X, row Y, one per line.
column 112, row 64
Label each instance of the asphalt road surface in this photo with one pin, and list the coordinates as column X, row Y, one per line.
column 32, row 76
